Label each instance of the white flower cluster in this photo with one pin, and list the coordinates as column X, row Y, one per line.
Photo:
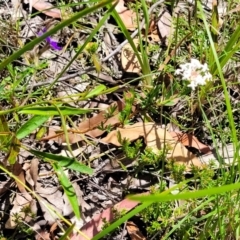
column 194, row 72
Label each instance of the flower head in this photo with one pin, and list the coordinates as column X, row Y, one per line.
column 52, row 43
column 194, row 72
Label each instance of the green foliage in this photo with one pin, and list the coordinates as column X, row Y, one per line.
column 125, row 114
column 130, row 150
column 31, row 125
column 149, row 157
column 177, row 171
column 158, row 215
column 203, row 206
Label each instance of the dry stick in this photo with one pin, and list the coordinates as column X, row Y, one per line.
column 118, row 49
column 59, row 80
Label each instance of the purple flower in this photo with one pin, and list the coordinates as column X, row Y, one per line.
column 53, row 44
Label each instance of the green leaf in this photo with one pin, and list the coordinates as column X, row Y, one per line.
column 68, row 189
column 50, row 111
column 32, row 124
column 62, row 161
column 186, row 195
column 96, row 91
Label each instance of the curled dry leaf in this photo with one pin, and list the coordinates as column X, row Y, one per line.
column 157, row 139
column 89, row 126
column 45, row 7
column 190, row 141
column 129, row 59
column 128, row 17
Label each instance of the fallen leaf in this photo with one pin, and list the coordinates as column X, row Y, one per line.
column 46, row 8
column 21, row 187
column 153, row 31
column 34, row 170
column 53, row 229
column 22, row 200
column 157, row 139
column 94, row 226
column 134, row 232
column 89, row 126
column 165, row 26
column 128, row 17
column 129, row 59
column 190, row 141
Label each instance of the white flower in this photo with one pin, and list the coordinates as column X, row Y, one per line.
column 194, row 72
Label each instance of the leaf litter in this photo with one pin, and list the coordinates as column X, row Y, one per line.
column 95, row 134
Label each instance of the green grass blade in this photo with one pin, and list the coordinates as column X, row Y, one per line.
column 32, row 124
column 219, row 69
column 187, row 195
column 120, row 221
column 67, row 233
column 51, row 111
column 231, row 47
column 89, row 38
column 62, row 161
column 96, row 91
column 132, row 213
column 68, row 189
column 58, row 27
column 127, row 35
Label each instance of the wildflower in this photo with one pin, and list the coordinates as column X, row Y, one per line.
column 52, row 43
column 194, row 72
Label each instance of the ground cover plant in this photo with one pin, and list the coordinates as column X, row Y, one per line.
column 119, row 119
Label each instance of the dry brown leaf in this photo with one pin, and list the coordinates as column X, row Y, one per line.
column 129, row 59
column 21, row 187
column 93, row 227
column 16, row 168
column 156, row 138
column 153, row 32
column 53, row 229
column 128, row 17
column 190, row 141
column 21, row 201
column 134, row 232
column 34, row 170
column 88, row 126
column 46, row 8
column 165, row 26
